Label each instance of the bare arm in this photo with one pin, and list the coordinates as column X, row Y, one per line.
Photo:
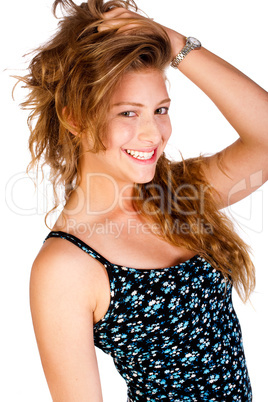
column 62, row 307
column 245, row 106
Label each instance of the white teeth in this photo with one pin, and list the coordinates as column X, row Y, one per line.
column 139, row 154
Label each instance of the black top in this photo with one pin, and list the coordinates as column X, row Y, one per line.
column 172, row 332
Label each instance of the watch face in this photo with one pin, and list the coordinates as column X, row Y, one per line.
column 193, row 41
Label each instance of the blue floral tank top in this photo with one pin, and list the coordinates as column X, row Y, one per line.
column 172, row 332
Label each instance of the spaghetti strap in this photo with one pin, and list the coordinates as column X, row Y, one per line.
column 79, row 243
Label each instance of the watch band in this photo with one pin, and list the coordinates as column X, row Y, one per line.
column 191, row 44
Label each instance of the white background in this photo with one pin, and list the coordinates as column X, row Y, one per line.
column 235, row 30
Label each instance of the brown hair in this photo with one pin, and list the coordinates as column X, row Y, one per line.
column 72, row 78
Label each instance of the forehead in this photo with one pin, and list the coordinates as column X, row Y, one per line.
column 144, row 84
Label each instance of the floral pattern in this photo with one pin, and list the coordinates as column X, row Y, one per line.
column 172, row 332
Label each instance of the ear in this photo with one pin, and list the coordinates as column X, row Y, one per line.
column 72, row 126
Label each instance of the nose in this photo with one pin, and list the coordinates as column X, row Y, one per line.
column 149, row 131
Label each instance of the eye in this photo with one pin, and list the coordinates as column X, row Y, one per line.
column 162, row 110
column 128, row 114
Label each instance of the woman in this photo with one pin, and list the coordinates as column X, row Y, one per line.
column 157, row 293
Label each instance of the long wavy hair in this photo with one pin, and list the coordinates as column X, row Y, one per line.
column 71, row 79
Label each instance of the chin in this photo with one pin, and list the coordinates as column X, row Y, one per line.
column 138, row 176
column 144, row 180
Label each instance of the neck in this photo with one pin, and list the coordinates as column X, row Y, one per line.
column 100, row 195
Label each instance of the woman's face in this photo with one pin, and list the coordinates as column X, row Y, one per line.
column 138, row 128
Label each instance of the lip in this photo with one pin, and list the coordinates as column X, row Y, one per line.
column 143, row 161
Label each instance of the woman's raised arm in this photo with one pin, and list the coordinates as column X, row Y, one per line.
column 62, row 305
column 245, row 106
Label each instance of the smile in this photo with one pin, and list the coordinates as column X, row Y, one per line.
column 140, row 155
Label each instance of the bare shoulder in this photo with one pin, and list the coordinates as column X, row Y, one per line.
column 60, row 264
column 63, row 300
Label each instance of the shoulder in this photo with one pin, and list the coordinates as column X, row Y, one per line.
column 61, row 268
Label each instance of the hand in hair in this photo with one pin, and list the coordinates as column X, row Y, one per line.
column 125, row 20
column 121, row 19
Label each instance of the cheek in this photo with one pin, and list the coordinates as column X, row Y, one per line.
column 118, row 134
column 166, row 129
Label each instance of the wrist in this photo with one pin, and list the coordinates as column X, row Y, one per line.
column 177, row 41
column 190, row 44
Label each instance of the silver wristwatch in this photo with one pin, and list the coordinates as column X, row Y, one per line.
column 191, row 43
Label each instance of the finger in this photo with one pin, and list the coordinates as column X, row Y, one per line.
column 113, row 18
column 121, row 24
column 117, row 12
column 121, row 19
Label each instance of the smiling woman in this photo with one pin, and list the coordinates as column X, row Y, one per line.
column 141, row 262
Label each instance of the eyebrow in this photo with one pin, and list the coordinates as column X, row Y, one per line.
column 138, row 104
